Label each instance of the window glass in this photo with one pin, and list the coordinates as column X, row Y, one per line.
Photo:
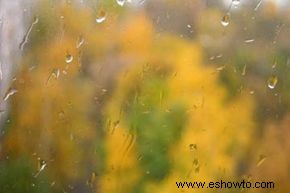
column 141, row 96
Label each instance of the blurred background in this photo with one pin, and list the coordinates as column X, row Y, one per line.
column 135, row 95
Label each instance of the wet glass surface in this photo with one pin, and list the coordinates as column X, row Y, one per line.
column 135, row 96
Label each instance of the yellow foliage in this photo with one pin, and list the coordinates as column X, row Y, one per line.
column 219, row 130
column 50, row 116
column 135, row 37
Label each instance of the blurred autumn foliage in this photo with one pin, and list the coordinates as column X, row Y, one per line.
column 167, row 116
column 128, row 105
column 275, row 147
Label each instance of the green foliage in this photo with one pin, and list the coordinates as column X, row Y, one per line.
column 18, row 177
column 156, row 130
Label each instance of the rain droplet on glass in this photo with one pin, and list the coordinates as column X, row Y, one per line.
column 197, row 168
column 141, row 2
column 121, row 2
column 101, row 16
column 236, row 2
column 41, row 166
column 261, row 160
column 9, row 93
column 272, row 81
column 26, row 36
column 140, row 157
column 244, row 70
column 249, row 40
column 195, row 162
column 61, row 115
column 68, row 58
column 274, row 65
column 258, row 5
column 220, row 68
column 80, row 41
column 225, row 21
column 92, row 179
column 54, row 74
column 192, row 147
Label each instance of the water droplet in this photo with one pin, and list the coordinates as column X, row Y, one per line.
column 115, row 125
column 26, row 36
column 274, row 65
column 272, row 81
column 258, row 5
column 197, row 169
column 141, row 2
column 101, row 17
column 236, row 2
column 92, row 179
column 244, row 70
column 35, row 20
column 140, row 157
column 225, row 20
column 41, row 166
column 196, row 165
column 249, row 40
column 192, row 147
column 9, row 93
column 52, row 183
column 54, row 74
column 68, row 58
column 121, row 2
column 195, row 162
column 80, row 41
column 220, row 68
column 61, row 115
column 261, row 160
